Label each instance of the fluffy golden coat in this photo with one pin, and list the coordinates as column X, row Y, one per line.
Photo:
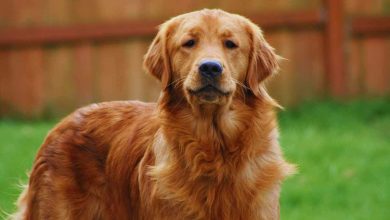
column 195, row 154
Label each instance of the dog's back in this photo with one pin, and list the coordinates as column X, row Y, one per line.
column 85, row 160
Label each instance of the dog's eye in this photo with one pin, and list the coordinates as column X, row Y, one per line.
column 230, row 44
column 189, row 43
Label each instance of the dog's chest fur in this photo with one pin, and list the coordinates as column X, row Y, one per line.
column 204, row 172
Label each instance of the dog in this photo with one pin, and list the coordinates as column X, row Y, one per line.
column 208, row 149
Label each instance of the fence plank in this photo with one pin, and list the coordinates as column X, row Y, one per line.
column 309, row 76
column 25, row 81
column 354, row 73
column 54, row 35
column 334, row 35
column 83, row 73
column 59, row 80
column 371, row 26
column 5, row 82
column 111, row 69
column 281, row 86
column 140, row 86
column 376, row 64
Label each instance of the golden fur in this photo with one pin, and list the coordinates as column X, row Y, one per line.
column 189, row 156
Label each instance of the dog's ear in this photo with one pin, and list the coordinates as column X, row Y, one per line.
column 263, row 62
column 156, row 60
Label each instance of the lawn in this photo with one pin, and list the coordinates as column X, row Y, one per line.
column 342, row 150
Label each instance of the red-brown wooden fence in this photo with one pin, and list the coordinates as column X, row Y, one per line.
column 63, row 54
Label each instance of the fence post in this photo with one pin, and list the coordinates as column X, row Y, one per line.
column 334, row 46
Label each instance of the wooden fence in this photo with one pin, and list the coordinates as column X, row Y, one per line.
column 59, row 55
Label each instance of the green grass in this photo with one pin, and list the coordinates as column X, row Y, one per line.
column 343, row 154
column 342, row 150
column 19, row 141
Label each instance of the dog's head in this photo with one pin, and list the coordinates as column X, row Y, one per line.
column 206, row 55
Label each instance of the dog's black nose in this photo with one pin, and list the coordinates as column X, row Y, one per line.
column 210, row 68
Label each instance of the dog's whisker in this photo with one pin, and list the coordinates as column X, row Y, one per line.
column 176, row 82
column 240, row 84
column 242, row 87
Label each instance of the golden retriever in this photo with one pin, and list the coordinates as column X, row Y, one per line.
column 208, row 149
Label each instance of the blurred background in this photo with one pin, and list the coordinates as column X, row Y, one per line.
column 56, row 56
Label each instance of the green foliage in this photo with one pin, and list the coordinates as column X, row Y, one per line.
column 342, row 151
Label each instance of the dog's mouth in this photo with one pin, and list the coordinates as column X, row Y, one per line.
column 209, row 93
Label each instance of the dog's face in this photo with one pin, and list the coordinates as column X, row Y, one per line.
column 208, row 54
